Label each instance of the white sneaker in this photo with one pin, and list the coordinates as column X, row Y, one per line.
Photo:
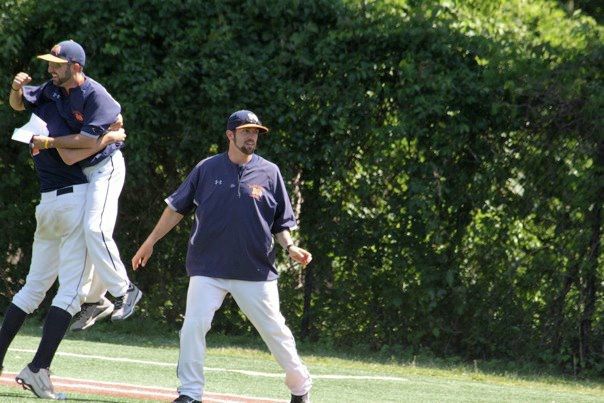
column 90, row 313
column 38, row 383
column 124, row 305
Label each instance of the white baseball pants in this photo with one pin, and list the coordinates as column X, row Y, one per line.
column 59, row 249
column 106, row 180
column 259, row 301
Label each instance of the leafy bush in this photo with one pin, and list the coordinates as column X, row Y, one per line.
column 447, row 158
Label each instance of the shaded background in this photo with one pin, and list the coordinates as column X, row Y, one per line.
column 446, row 159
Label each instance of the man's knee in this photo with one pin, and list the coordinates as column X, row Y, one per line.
column 197, row 325
column 92, row 227
column 275, row 327
column 93, row 232
column 28, row 299
column 68, row 302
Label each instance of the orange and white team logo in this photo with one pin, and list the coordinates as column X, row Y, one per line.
column 78, row 116
column 256, row 192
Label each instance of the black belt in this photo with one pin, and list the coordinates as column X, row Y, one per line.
column 64, row 191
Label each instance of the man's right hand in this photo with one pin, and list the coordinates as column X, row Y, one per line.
column 142, row 256
column 118, row 124
column 20, row 80
column 114, row 136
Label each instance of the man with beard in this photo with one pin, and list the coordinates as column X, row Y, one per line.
column 88, row 110
column 58, row 251
column 240, row 202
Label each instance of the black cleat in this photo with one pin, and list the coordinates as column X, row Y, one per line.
column 185, row 399
column 300, row 399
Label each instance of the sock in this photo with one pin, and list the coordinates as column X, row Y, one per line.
column 13, row 320
column 55, row 327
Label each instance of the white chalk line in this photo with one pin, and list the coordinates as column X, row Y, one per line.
column 238, row 371
column 90, row 386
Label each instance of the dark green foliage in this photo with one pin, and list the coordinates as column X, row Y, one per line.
column 448, row 159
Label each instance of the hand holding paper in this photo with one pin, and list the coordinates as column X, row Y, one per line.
column 35, row 127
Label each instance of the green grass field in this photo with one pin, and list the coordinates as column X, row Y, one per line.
column 93, row 355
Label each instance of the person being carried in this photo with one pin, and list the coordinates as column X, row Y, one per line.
column 240, row 202
column 58, row 251
column 89, row 111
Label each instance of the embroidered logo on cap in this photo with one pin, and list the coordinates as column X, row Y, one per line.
column 56, row 50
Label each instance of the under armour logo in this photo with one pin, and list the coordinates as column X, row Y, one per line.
column 218, row 182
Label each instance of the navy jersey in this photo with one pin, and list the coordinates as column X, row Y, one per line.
column 53, row 173
column 237, row 211
column 88, row 109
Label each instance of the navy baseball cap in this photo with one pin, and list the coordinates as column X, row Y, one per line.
column 244, row 119
column 66, row 52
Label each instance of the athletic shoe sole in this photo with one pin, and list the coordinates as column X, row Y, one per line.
column 27, row 386
column 100, row 316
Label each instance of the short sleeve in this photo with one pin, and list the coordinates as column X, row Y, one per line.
column 33, row 95
column 183, row 199
column 284, row 215
column 100, row 111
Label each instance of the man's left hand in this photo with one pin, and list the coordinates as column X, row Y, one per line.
column 300, row 255
column 39, row 142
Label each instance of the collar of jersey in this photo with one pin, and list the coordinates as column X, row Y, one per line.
column 253, row 161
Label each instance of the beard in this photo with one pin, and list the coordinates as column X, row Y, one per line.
column 60, row 80
column 247, row 148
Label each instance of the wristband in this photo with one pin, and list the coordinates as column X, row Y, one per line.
column 46, row 143
column 13, row 88
column 289, row 246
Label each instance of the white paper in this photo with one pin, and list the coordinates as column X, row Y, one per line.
column 35, row 127
column 24, row 136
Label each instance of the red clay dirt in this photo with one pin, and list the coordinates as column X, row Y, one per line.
column 114, row 389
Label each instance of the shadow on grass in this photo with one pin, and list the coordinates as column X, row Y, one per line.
column 143, row 332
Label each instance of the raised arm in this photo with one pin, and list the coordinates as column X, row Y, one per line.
column 167, row 221
column 16, row 91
